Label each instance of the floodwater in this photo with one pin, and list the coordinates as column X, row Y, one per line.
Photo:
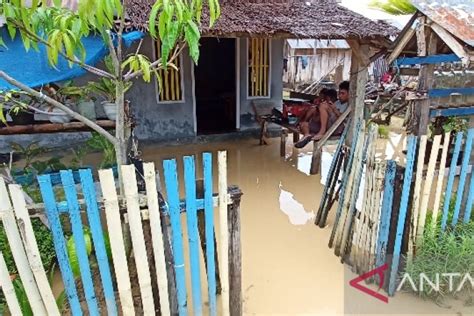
column 287, row 266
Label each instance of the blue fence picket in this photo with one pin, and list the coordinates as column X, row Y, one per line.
column 386, row 212
column 90, row 196
column 79, row 242
column 344, row 184
column 171, row 182
column 52, row 213
column 452, row 174
column 470, row 199
column 411, row 153
column 193, row 235
column 463, row 176
column 209, row 231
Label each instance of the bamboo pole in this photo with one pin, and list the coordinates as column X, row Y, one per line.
column 172, row 73
column 266, row 66
column 178, row 79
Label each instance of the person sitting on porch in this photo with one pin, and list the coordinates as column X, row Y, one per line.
column 324, row 116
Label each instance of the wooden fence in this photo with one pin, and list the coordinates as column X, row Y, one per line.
column 163, row 291
column 396, row 200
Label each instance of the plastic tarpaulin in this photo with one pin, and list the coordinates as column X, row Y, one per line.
column 32, row 67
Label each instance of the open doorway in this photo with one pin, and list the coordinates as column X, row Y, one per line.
column 215, row 86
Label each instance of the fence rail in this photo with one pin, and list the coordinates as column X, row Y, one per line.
column 160, row 272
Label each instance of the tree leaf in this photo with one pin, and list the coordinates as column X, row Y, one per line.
column 72, row 252
column 153, row 16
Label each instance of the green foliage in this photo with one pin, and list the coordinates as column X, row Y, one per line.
column 395, row 7
column 72, row 253
column 15, row 101
column 45, row 245
column 100, row 143
column 455, row 124
column 22, row 298
column 79, row 154
column 383, row 131
column 51, row 165
column 29, row 153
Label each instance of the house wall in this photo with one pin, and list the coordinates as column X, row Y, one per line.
column 247, row 120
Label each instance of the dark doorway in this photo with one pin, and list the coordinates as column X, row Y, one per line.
column 215, row 86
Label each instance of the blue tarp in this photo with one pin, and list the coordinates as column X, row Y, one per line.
column 32, row 67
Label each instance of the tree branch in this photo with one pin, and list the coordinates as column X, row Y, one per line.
column 59, row 105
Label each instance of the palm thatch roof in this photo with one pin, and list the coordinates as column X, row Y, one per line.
column 317, row 19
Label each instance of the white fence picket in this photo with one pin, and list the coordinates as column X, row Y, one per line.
column 138, row 240
column 32, row 251
column 224, row 232
column 440, row 181
column 114, row 226
column 157, row 236
column 18, row 252
column 8, row 289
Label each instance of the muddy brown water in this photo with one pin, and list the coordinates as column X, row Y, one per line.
column 287, row 267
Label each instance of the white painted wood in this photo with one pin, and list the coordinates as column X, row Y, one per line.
column 237, row 83
column 7, row 288
column 18, row 252
column 157, row 236
column 32, row 251
column 427, row 187
column 223, row 232
column 138, row 239
column 114, row 227
column 439, row 183
column 416, row 194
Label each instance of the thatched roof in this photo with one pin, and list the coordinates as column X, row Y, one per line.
column 319, row 19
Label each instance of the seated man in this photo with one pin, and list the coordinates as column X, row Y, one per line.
column 324, row 116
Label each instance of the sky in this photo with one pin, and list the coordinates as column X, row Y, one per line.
column 362, row 7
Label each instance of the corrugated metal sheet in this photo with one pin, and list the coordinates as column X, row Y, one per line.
column 456, row 16
column 320, row 44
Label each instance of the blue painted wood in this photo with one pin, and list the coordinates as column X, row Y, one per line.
column 470, row 201
column 344, row 184
column 440, row 93
column 331, row 176
column 452, row 174
column 79, row 242
column 427, row 60
column 171, row 183
column 412, row 148
column 463, row 176
column 461, row 111
column 193, row 234
column 52, row 213
column 385, row 214
column 209, row 232
column 93, row 216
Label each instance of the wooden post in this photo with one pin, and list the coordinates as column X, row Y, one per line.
column 358, row 81
column 235, row 253
column 284, row 135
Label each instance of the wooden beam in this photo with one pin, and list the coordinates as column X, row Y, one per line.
column 439, row 93
column 453, row 43
column 53, row 128
column 452, row 112
column 407, row 36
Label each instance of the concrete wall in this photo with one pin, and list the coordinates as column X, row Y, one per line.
column 247, row 120
column 159, row 122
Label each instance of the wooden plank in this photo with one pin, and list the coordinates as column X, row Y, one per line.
column 386, row 212
column 462, row 180
column 18, row 252
column 427, row 188
column 171, row 183
column 95, row 225
column 402, row 42
column 52, row 213
column 260, row 66
column 223, row 231
column 235, row 256
column 440, row 180
column 32, row 251
column 138, row 239
column 209, row 214
column 416, row 195
column 8, row 289
column 469, row 201
column 342, row 193
column 266, row 66
column 446, row 92
column 411, row 147
column 427, row 60
column 452, row 173
column 79, row 242
column 157, row 236
column 375, row 218
column 193, row 235
column 452, row 42
column 53, row 128
column 117, row 245
column 462, row 111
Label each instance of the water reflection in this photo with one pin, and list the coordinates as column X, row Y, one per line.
column 293, row 209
